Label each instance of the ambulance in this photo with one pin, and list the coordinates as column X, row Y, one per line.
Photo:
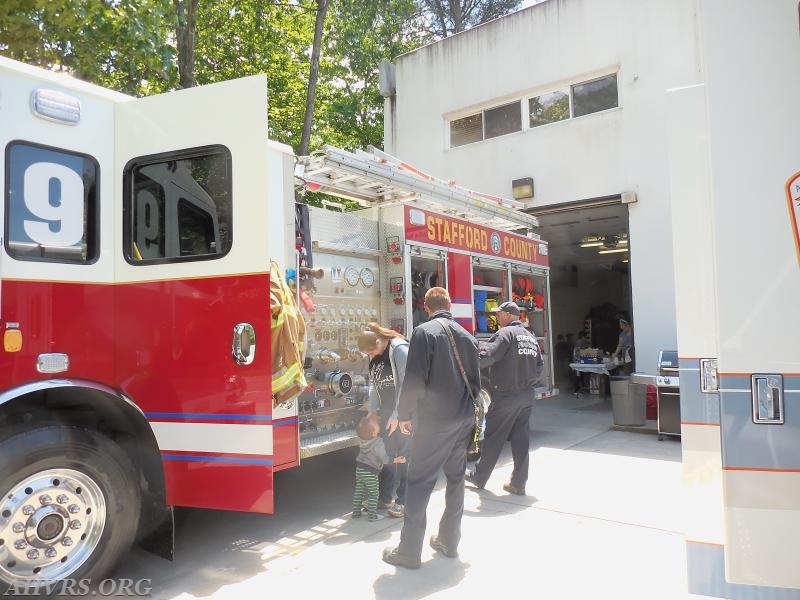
column 735, row 197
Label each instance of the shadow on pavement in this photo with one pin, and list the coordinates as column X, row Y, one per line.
column 411, row 585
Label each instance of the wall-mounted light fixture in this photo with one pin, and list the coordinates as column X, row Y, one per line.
column 522, row 189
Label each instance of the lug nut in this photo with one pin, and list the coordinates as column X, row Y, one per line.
column 62, row 499
column 44, row 499
column 28, row 510
column 50, row 553
column 33, row 554
column 18, row 527
column 74, row 509
column 67, row 541
column 75, row 524
column 20, row 544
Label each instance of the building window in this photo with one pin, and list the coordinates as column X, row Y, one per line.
column 466, row 130
column 548, row 108
column 502, row 120
column 51, row 204
column 490, row 123
column 594, row 96
column 178, row 206
column 580, row 99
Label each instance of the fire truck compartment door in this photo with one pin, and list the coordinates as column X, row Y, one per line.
column 192, row 265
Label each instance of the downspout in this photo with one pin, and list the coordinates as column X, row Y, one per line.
column 387, row 86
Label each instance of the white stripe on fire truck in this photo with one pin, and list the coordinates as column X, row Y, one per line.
column 461, row 311
column 220, row 438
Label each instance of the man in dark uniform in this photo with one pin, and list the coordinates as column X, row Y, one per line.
column 435, row 395
column 515, row 361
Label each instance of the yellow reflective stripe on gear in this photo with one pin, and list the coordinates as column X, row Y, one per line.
column 287, row 376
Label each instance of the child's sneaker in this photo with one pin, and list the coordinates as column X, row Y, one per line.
column 375, row 517
column 397, row 511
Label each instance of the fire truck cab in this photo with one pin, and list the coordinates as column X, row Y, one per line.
column 137, row 238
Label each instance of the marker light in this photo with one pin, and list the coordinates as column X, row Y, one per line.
column 56, row 106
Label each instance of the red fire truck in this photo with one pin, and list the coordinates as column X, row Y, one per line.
column 136, row 372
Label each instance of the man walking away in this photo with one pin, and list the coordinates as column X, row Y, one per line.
column 435, row 394
column 516, row 364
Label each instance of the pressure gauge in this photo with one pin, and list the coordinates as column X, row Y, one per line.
column 367, row 277
column 351, row 275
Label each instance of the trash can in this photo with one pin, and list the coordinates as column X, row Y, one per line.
column 628, row 409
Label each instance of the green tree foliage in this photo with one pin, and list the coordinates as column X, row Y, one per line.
column 360, row 34
column 446, row 17
column 236, row 38
column 131, row 46
column 124, row 44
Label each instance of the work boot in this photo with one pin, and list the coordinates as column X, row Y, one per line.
column 470, row 479
column 513, row 489
column 393, row 557
column 439, row 546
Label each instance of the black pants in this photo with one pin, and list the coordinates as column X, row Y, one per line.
column 508, row 418
column 435, row 446
column 393, row 474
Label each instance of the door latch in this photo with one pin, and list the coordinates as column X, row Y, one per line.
column 767, row 393
column 243, row 347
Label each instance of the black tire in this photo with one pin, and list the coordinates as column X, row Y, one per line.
column 95, row 459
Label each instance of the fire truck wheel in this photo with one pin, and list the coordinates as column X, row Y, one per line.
column 69, row 504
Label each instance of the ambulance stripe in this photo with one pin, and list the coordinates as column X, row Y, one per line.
column 213, row 437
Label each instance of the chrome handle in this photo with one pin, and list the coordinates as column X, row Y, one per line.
column 767, row 391
column 243, row 347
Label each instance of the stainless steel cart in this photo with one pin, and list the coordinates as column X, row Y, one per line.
column 669, row 394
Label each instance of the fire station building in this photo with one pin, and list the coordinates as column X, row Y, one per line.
column 562, row 105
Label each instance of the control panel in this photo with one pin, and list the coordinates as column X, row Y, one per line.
column 345, row 299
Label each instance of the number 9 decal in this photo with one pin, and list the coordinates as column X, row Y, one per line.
column 65, row 211
column 147, row 221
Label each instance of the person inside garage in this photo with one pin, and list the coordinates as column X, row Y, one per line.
column 624, row 350
column 516, row 365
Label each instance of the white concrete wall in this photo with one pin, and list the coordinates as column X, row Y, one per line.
column 652, row 46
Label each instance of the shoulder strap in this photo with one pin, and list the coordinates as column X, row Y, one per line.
column 392, row 350
column 449, row 332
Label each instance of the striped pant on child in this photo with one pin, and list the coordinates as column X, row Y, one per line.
column 366, row 489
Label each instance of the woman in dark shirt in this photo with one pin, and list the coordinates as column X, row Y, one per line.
column 388, row 352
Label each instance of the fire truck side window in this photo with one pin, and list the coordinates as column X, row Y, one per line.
column 51, row 204
column 178, row 206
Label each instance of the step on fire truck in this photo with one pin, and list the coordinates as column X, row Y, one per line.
column 138, row 238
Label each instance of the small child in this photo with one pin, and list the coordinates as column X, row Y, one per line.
column 369, row 462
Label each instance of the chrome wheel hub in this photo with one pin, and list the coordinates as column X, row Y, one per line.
column 50, row 524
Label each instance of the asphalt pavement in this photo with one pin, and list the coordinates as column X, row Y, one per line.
column 602, row 520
